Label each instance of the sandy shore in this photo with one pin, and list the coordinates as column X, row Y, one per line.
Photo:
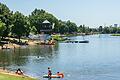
column 11, row 73
column 33, row 42
column 10, row 46
column 13, row 46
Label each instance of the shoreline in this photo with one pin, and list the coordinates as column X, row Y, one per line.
column 115, row 35
column 9, row 46
column 13, row 45
column 11, row 73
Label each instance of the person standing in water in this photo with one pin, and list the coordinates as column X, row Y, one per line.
column 49, row 72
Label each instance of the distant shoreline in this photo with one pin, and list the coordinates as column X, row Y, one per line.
column 115, row 35
column 31, row 42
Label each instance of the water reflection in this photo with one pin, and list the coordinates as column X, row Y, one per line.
column 43, row 51
column 4, row 59
column 21, row 56
column 18, row 58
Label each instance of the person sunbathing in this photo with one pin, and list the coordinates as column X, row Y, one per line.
column 19, row 71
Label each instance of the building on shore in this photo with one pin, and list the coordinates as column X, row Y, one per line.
column 45, row 33
column 46, row 30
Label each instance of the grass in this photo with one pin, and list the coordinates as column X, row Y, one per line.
column 115, row 34
column 57, row 37
column 10, row 77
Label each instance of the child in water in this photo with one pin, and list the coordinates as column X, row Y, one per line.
column 60, row 74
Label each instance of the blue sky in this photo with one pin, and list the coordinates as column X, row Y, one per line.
column 92, row 13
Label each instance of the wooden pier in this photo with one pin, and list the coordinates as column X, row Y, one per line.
column 83, row 41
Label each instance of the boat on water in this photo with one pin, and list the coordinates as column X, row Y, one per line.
column 73, row 41
column 77, row 41
column 53, row 43
column 84, row 41
column 52, row 76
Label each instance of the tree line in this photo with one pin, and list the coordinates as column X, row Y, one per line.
column 16, row 24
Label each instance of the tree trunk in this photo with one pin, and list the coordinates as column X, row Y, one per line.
column 2, row 38
column 19, row 39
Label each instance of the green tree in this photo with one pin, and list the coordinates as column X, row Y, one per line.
column 87, row 30
column 27, row 26
column 38, row 16
column 106, row 30
column 63, row 28
column 6, row 17
column 118, row 30
column 82, row 29
column 33, row 30
column 114, row 30
column 72, row 27
column 100, row 29
column 2, row 28
column 19, row 29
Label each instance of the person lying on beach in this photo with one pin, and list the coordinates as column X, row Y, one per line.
column 19, row 71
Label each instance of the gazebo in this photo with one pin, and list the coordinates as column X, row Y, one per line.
column 46, row 27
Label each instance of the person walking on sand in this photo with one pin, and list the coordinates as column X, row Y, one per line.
column 49, row 72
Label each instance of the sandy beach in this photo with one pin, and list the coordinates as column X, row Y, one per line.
column 13, row 45
column 11, row 73
column 9, row 46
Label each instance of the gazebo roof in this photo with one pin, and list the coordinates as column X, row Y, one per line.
column 46, row 21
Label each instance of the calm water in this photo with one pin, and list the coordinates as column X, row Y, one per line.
column 97, row 60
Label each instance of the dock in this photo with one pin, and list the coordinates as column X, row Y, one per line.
column 82, row 41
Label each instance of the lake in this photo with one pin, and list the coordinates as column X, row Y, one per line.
column 97, row 60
